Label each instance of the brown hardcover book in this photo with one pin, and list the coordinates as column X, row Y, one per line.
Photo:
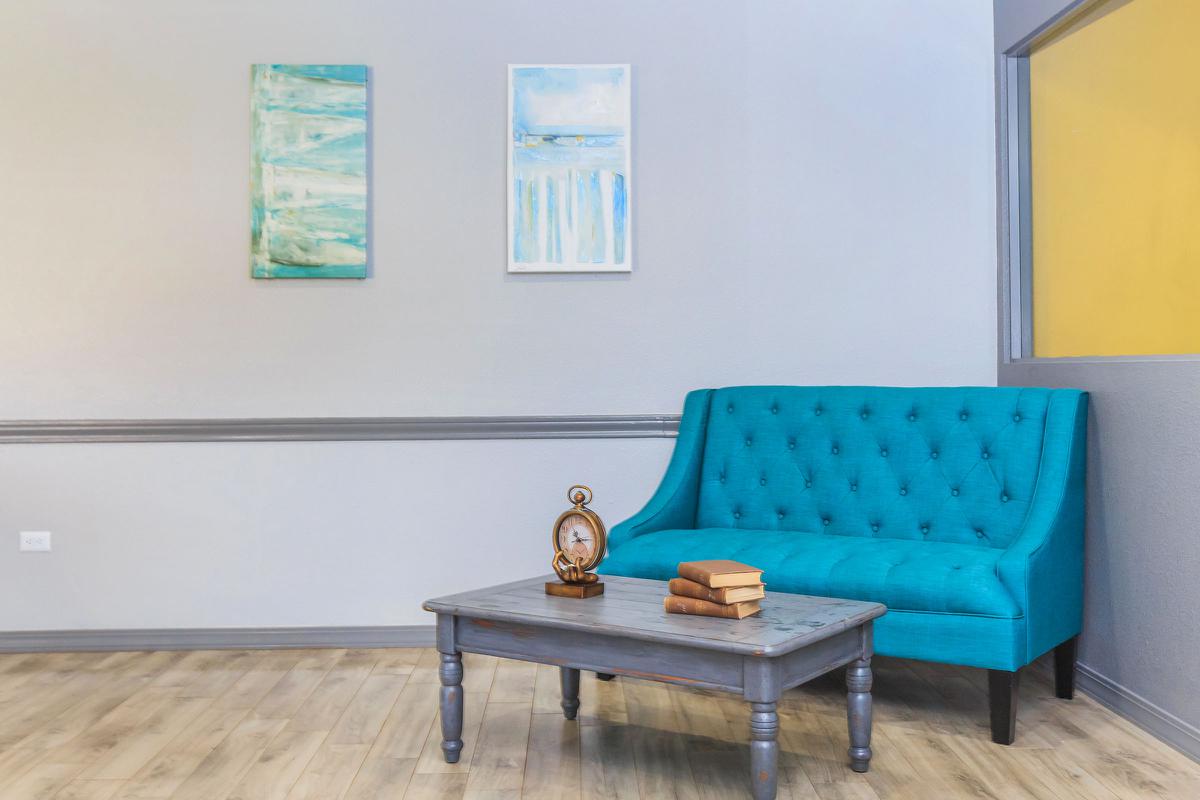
column 702, row 608
column 720, row 573
column 727, row 596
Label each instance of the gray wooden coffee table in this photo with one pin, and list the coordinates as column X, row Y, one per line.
column 626, row 632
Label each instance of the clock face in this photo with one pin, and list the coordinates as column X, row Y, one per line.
column 576, row 538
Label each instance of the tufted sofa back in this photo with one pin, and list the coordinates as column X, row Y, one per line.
column 944, row 464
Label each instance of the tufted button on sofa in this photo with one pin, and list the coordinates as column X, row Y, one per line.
column 961, row 509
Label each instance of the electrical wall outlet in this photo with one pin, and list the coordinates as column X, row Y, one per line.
column 35, row 541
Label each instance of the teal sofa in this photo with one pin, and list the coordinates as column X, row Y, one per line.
column 961, row 509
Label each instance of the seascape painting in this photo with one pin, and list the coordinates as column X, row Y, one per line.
column 569, row 168
column 308, row 161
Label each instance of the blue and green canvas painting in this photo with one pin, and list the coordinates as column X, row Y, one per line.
column 569, row 181
column 308, row 160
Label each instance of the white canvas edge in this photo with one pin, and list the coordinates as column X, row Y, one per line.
column 545, row 267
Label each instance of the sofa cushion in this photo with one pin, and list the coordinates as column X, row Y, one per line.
column 953, row 465
column 902, row 574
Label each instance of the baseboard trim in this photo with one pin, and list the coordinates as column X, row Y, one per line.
column 338, row 429
column 215, row 638
column 1128, row 704
column 1156, row 721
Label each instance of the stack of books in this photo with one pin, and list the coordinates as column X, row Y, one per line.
column 721, row 588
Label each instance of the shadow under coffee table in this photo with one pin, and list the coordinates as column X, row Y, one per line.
column 625, row 631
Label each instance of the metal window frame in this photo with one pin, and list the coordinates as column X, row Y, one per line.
column 1015, row 204
column 1017, row 213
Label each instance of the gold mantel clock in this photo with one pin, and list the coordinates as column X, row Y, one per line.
column 579, row 540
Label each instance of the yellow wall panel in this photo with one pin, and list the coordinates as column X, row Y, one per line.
column 1115, row 150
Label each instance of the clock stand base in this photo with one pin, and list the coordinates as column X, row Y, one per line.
column 579, row 591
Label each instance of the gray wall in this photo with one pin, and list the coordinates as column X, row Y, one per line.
column 815, row 204
column 1140, row 639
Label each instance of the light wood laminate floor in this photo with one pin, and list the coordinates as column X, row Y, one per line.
column 357, row 724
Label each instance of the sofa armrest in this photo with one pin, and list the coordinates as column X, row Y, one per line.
column 1043, row 567
column 674, row 502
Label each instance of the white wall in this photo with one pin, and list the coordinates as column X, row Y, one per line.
column 814, row 196
column 291, row 534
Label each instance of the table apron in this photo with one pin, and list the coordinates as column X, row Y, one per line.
column 801, row 666
column 598, row 652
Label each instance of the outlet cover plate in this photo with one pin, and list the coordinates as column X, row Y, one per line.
column 35, row 541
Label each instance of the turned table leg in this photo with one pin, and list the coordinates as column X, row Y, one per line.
column 570, row 691
column 764, row 750
column 451, row 674
column 858, row 712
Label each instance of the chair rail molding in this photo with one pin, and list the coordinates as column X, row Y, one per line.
column 339, row 429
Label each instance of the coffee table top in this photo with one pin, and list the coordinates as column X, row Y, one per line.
column 633, row 608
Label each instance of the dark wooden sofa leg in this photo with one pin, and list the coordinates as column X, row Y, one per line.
column 1064, row 668
column 605, row 676
column 1002, row 697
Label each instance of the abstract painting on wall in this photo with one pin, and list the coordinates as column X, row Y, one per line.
column 308, row 179
column 568, row 168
